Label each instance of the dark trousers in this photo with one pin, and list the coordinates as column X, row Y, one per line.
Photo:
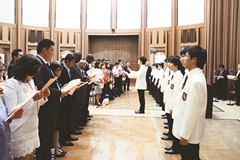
column 141, row 99
column 46, row 129
column 190, row 152
column 176, row 146
column 126, row 83
column 222, row 91
column 170, row 124
column 237, row 90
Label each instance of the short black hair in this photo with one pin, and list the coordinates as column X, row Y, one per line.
column 15, row 52
column 97, row 64
column 89, row 58
column 143, row 59
column 78, row 56
column 27, row 65
column 221, row 66
column 116, row 63
column 184, row 51
column 44, row 43
column 199, row 53
column 69, row 57
column 55, row 65
column 119, row 60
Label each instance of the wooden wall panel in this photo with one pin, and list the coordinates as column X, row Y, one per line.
column 23, row 40
column 178, row 42
column 147, row 46
column 47, row 34
column 64, row 37
column 14, row 38
column 5, row 34
column 202, row 37
column 154, row 37
column 56, row 39
column 114, row 48
column 71, row 38
column 161, row 37
column 169, row 44
column 78, row 41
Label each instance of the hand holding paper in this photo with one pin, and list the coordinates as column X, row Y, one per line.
column 49, row 83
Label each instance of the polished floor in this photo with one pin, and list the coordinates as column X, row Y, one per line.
column 117, row 133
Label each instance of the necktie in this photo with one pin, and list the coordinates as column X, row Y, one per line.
column 184, row 82
column 69, row 74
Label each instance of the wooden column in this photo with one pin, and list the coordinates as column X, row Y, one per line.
column 114, row 14
column 18, row 22
column 174, row 25
column 52, row 18
column 83, row 27
column 143, row 28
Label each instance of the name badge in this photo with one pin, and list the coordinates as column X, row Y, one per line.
column 184, row 96
column 172, row 86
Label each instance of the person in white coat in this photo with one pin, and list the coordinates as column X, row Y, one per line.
column 189, row 115
column 141, row 84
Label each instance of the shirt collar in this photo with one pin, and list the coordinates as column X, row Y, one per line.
column 42, row 59
column 194, row 71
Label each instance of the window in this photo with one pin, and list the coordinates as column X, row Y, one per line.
column 128, row 14
column 35, row 13
column 7, row 11
column 98, row 14
column 159, row 13
column 68, row 13
column 190, row 12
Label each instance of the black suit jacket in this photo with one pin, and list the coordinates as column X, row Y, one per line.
column 64, row 78
column 126, row 67
column 225, row 79
column 237, row 82
column 148, row 74
column 51, row 107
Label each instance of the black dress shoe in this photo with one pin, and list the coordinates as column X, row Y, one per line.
column 67, row 143
column 60, row 155
column 165, row 133
column 90, row 116
column 171, row 151
column 166, row 127
column 79, row 128
column 128, row 90
column 72, row 139
column 76, row 132
column 168, row 148
column 166, row 123
column 89, row 119
column 166, row 138
column 139, row 112
column 62, row 151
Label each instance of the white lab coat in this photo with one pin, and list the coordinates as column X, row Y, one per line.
column 189, row 117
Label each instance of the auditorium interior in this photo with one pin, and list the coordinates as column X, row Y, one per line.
column 126, row 30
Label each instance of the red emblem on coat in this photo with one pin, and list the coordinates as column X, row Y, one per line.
column 184, row 96
column 163, row 76
column 168, row 82
column 172, row 86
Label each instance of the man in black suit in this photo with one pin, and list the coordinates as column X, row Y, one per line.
column 89, row 60
column 16, row 54
column 66, row 103
column 50, row 110
column 127, row 80
column 80, row 95
column 148, row 75
column 221, row 83
column 237, row 86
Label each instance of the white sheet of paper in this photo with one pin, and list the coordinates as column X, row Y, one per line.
column 31, row 94
column 51, row 80
column 91, row 72
column 71, row 85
